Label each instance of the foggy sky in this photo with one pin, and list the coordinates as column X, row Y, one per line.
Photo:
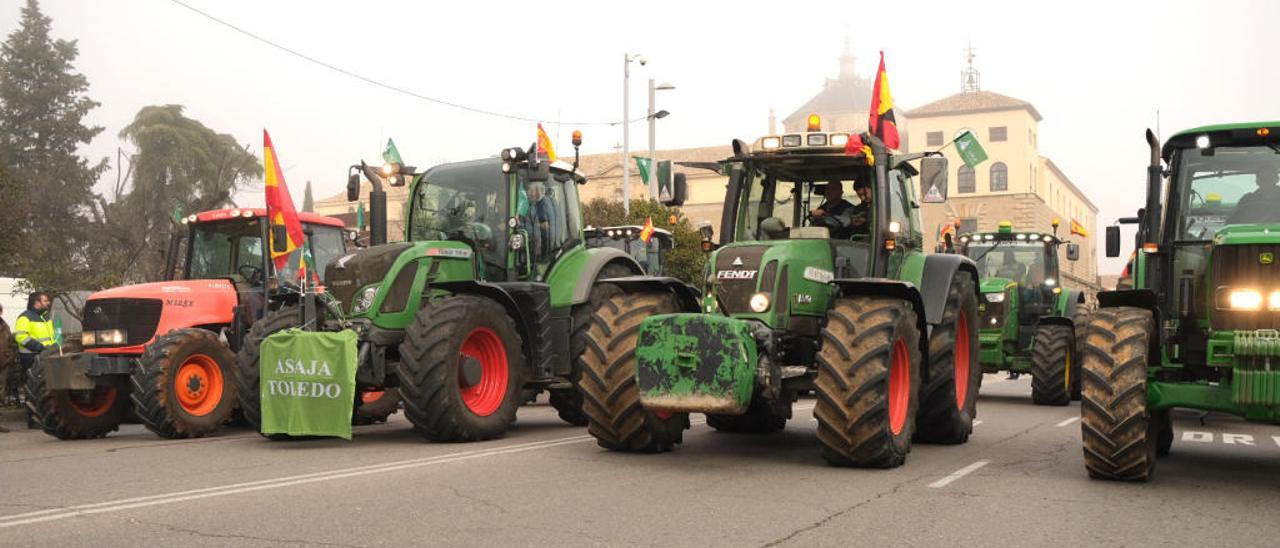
column 1097, row 71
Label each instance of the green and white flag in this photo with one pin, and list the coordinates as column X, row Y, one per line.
column 360, row 216
column 391, row 154
column 307, row 383
column 970, row 149
column 643, row 164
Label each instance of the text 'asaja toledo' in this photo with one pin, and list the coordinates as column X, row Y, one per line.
column 318, row 369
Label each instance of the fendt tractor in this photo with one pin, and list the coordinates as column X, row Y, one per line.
column 486, row 300
column 1200, row 326
column 885, row 335
column 1031, row 323
column 166, row 350
column 651, row 255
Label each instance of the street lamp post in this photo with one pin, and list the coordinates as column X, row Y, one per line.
column 626, row 126
column 653, row 118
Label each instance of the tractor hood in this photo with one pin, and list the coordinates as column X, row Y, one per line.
column 177, row 289
column 143, row 310
column 398, row 271
column 995, row 285
column 1251, row 234
column 350, row 272
column 794, row 275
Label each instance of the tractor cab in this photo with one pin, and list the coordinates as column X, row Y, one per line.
column 651, row 255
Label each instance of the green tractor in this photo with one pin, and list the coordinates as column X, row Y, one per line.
column 651, row 254
column 488, row 298
column 1030, row 322
column 884, row 334
column 1201, row 324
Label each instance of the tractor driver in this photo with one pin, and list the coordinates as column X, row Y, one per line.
column 862, row 211
column 542, row 214
column 1260, row 205
column 835, row 213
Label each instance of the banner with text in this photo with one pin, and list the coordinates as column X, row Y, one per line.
column 308, row 383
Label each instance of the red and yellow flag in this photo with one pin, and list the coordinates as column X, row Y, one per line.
column 855, row 145
column 280, row 211
column 881, row 123
column 1078, row 229
column 544, row 144
column 647, row 231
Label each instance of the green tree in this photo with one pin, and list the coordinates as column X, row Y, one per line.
column 42, row 110
column 308, row 203
column 11, row 223
column 685, row 262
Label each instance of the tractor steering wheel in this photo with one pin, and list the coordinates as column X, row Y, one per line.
column 254, row 275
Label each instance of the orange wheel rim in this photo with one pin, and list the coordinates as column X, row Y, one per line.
column 371, row 396
column 198, row 385
column 96, row 404
column 899, row 386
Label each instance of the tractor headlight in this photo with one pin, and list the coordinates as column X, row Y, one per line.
column 364, row 300
column 995, row 297
column 1273, row 300
column 1245, row 299
column 105, row 337
column 760, row 302
column 1050, row 282
column 89, row 338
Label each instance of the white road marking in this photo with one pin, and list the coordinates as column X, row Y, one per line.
column 1242, row 439
column 959, row 474
column 1068, row 421
column 1277, row 439
column 1201, row 437
column 975, row 423
column 54, row 514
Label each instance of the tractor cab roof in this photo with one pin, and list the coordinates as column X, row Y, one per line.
column 1238, row 134
column 624, row 231
column 258, row 212
column 1006, row 233
column 809, row 156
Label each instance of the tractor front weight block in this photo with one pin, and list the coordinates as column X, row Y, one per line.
column 697, row 363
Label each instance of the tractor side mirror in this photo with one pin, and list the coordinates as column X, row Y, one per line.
column 933, row 179
column 279, row 239
column 1073, row 252
column 353, row 187
column 1113, row 241
column 679, row 191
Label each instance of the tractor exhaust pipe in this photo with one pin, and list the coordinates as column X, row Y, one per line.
column 1151, row 218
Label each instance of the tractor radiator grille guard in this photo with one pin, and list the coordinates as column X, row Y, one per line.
column 1239, row 266
column 737, row 270
column 137, row 317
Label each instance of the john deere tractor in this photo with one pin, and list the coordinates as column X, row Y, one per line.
column 1200, row 327
column 488, row 297
column 1030, row 322
column 884, row 334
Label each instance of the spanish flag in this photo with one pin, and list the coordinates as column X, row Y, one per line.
column 544, row 144
column 1078, row 229
column 280, row 211
column 647, row 231
column 855, row 145
column 881, row 122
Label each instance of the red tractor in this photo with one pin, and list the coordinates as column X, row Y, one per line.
column 167, row 350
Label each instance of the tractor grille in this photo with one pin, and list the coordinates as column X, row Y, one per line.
column 346, row 275
column 992, row 315
column 1238, row 266
column 138, row 317
column 737, row 271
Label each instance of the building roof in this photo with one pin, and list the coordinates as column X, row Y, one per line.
column 1070, row 184
column 841, row 95
column 973, row 102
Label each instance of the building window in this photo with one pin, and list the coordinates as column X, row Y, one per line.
column 934, row 138
column 999, row 177
column 969, row 225
column 996, row 134
column 966, row 180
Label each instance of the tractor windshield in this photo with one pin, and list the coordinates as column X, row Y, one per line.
column 227, row 249
column 777, row 202
column 466, row 202
column 1228, row 186
column 1024, row 262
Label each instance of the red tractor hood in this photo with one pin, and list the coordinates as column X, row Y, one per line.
column 182, row 303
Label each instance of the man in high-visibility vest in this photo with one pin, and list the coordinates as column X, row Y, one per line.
column 33, row 332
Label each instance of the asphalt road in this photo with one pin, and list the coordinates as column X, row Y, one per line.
column 1019, row 481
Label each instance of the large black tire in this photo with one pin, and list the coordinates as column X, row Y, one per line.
column 617, row 420
column 431, row 362
column 1164, row 431
column 760, row 418
column 866, row 345
column 1080, row 320
column 1119, row 435
column 75, row 414
column 184, row 385
column 1052, row 354
column 376, row 410
column 247, row 374
column 568, row 401
column 946, row 414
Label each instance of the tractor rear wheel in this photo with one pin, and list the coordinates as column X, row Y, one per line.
column 183, row 386
column 376, row 406
column 1080, row 320
column 868, row 382
column 568, row 401
column 1052, row 357
column 949, row 402
column 461, row 370
column 1120, row 436
column 760, row 418
column 608, row 366
column 1164, row 431
column 247, row 375
column 75, row 414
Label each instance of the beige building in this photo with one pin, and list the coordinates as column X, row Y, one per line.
column 1015, row 184
column 397, row 198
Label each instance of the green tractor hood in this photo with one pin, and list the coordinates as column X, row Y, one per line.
column 1250, row 234
column 399, row 272
column 794, row 275
column 995, row 285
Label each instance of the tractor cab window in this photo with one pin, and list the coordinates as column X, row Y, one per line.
column 804, row 205
column 1023, row 262
column 326, row 243
column 547, row 211
column 466, row 204
column 1228, row 186
column 227, row 249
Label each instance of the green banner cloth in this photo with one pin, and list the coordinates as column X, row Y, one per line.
column 642, row 164
column 308, row 383
column 391, row 154
column 970, row 149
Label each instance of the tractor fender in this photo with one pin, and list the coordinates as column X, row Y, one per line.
column 1071, row 300
column 1056, row 320
column 1137, row 298
column 689, row 297
column 586, row 268
column 935, row 282
column 898, row 289
column 497, row 294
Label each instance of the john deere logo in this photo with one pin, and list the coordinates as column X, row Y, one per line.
column 1266, row 258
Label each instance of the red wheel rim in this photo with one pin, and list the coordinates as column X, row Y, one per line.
column 484, row 397
column 371, row 396
column 198, row 385
column 899, row 386
column 663, row 414
column 97, row 405
column 962, row 360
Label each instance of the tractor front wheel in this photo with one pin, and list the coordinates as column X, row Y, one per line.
column 461, row 370
column 376, row 406
column 248, row 376
column 868, row 382
column 1120, row 436
column 1080, row 321
column 1052, row 357
column 183, row 385
column 568, row 401
column 75, row 414
column 608, row 366
column 949, row 402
